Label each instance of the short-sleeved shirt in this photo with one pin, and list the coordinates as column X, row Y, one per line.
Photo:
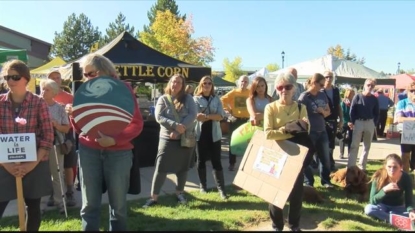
column 404, row 108
column 57, row 113
column 317, row 122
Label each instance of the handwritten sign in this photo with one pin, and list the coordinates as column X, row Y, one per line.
column 19, row 147
column 408, row 132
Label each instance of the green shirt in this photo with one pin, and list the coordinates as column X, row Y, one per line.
column 401, row 197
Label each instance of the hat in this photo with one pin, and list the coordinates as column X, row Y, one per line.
column 328, row 73
column 53, row 71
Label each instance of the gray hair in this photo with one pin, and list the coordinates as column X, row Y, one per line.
column 50, row 83
column 100, row 63
column 285, row 78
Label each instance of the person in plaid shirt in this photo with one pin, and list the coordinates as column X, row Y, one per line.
column 24, row 112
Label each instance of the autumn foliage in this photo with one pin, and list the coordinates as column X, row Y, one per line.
column 173, row 36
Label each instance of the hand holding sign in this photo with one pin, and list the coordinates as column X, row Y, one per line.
column 11, row 168
column 408, row 132
column 104, row 140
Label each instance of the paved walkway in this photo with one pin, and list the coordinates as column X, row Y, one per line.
column 380, row 149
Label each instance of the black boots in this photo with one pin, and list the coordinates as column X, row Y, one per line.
column 202, row 179
column 220, row 183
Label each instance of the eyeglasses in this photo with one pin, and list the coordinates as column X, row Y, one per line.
column 13, row 77
column 90, row 74
column 207, row 83
column 287, row 87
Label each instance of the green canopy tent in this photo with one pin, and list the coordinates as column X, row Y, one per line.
column 220, row 82
column 10, row 54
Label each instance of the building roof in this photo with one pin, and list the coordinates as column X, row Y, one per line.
column 24, row 35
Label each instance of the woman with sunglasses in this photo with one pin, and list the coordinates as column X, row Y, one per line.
column 176, row 113
column 105, row 160
column 317, row 109
column 23, row 112
column 276, row 115
column 209, row 134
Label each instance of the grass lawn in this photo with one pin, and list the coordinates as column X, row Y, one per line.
column 207, row 212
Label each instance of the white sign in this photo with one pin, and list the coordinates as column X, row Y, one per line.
column 408, row 132
column 270, row 162
column 19, row 147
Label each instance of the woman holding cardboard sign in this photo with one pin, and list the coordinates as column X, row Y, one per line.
column 23, row 112
column 405, row 111
column 278, row 125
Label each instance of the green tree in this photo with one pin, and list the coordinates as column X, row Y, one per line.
column 338, row 51
column 173, row 37
column 76, row 39
column 161, row 5
column 233, row 69
column 116, row 28
column 272, row 67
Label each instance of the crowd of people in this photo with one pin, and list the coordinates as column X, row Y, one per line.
column 190, row 130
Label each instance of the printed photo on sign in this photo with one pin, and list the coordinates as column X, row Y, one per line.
column 103, row 104
column 401, row 222
column 20, row 147
column 270, row 162
column 408, row 132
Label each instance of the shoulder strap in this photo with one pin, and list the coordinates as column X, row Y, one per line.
column 176, row 115
column 210, row 99
column 299, row 110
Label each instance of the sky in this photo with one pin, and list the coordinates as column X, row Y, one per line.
column 258, row 31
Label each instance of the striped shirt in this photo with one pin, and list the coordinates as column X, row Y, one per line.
column 35, row 110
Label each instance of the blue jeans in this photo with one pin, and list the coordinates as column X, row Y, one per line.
column 321, row 143
column 112, row 168
column 382, row 211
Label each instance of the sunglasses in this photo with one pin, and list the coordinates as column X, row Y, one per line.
column 207, row 83
column 13, row 77
column 286, row 87
column 90, row 74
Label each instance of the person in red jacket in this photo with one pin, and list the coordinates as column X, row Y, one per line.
column 105, row 160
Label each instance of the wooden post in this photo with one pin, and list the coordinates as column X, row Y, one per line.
column 21, row 204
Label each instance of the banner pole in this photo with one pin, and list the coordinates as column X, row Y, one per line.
column 21, row 204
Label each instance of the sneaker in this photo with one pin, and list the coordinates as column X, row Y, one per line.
column 70, row 200
column 329, row 186
column 150, row 202
column 50, row 202
column 181, row 199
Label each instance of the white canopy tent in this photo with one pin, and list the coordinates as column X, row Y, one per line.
column 261, row 72
column 345, row 71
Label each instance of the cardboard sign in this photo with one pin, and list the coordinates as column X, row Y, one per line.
column 103, row 104
column 270, row 168
column 19, row 147
column 401, row 222
column 408, row 132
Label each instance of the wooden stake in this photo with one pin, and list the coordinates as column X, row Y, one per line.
column 21, row 204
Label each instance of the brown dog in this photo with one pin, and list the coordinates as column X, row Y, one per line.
column 339, row 176
column 310, row 195
column 356, row 183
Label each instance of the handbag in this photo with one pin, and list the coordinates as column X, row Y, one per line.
column 188, row 138
column 64, row 147
column 296, row 127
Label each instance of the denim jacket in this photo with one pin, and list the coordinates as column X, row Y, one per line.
column 164, row 114
column 215, row 107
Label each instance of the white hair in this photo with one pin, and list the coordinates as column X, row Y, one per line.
column 50, row 83
column 285, row 78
